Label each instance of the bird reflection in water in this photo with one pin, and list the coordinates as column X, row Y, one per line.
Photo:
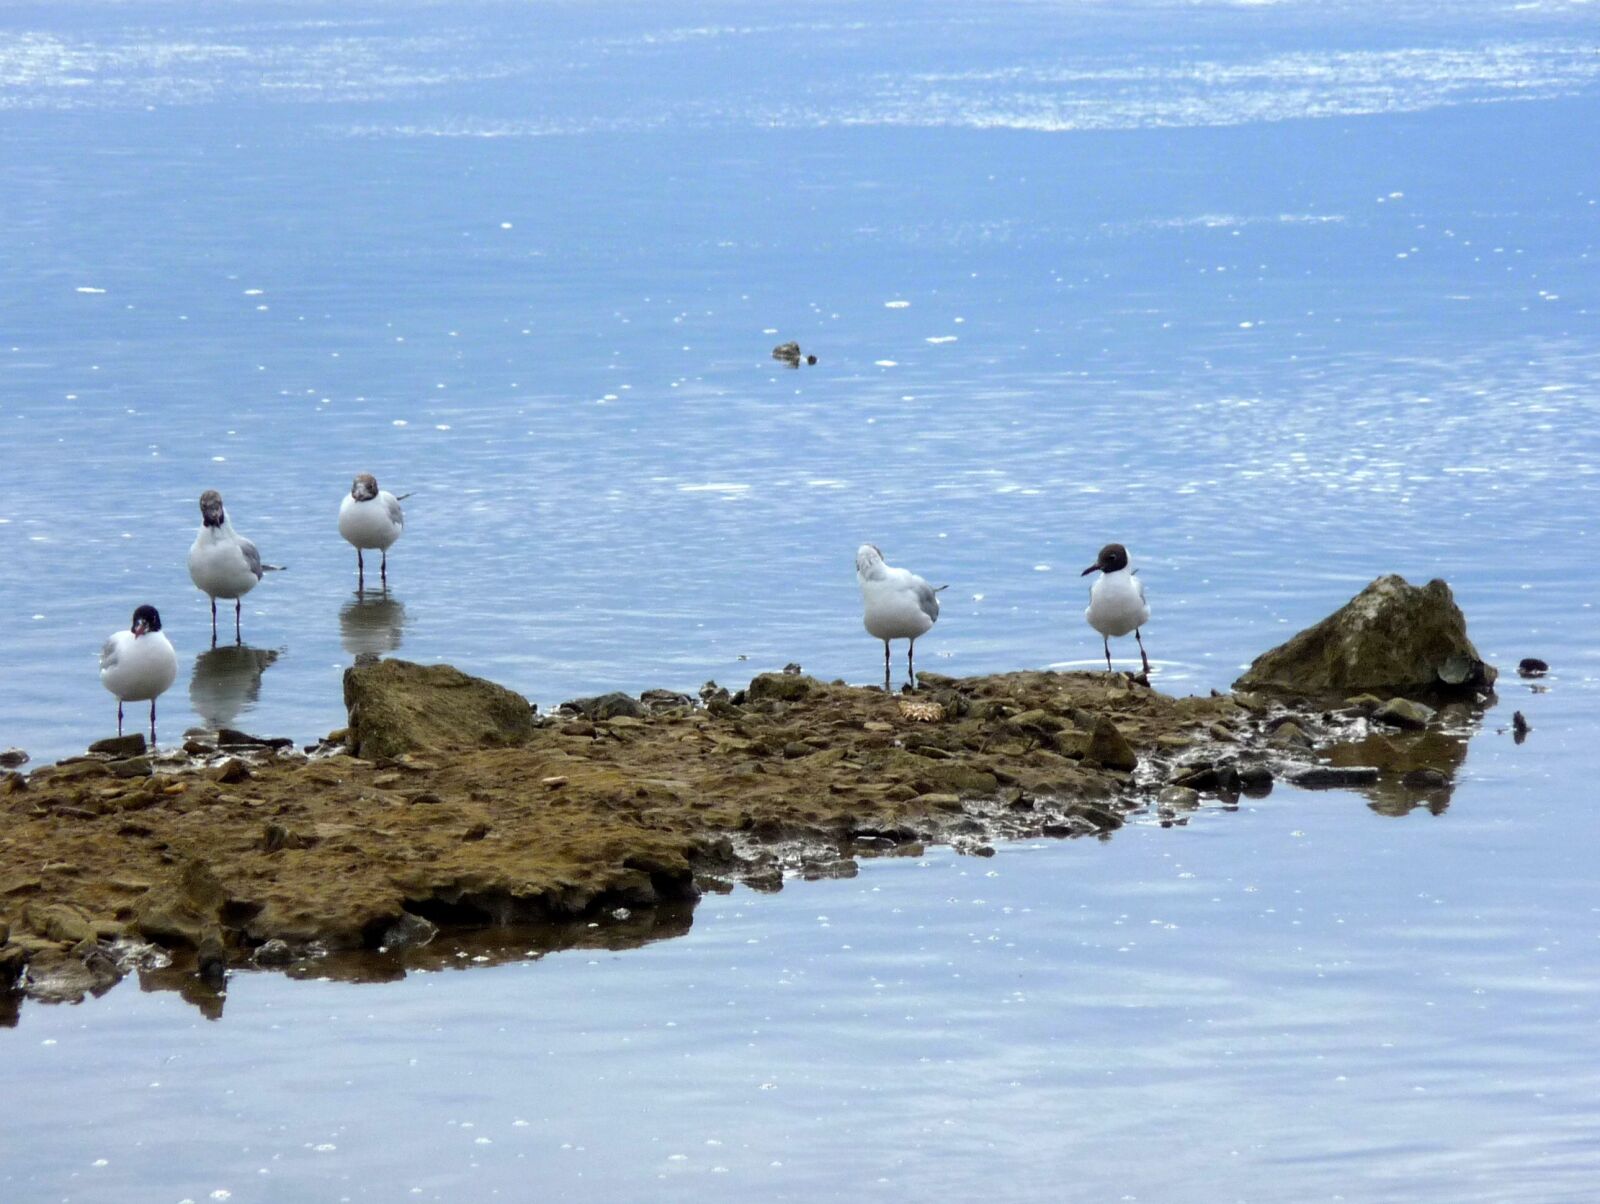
column 372, row 625
column 227, row 682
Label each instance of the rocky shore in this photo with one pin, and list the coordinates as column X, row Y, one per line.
column 449, row 804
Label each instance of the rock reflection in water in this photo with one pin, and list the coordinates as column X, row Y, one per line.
column 1415, row 769
column 451, row 949
column 227, row 681
column 373, row 624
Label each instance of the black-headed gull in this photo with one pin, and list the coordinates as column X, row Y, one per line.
column 1116, row 600
column 139, row 664
column 896, row 604
column 223, row 563
column 370, row 517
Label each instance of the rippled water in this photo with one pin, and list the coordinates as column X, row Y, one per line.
column 1283, row 296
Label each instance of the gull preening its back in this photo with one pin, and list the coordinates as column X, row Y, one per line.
column 1116, row 601
column 139, row 664
column 223, row 563
column 370, row 517
column 896, row 604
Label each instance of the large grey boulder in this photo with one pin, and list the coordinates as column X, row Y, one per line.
column 399, row 707
column 1391, row 638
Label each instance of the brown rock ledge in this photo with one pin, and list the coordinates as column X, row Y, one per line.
column 469, row 810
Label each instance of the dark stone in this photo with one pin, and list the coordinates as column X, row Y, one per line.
column 1392, row 637
column 1323, row 777
column 409, row 932
column 211, row 961
column 1528, row 666
column 605, row 706
column 12, row 757
column 657, row 701
column 274, row 953
column 120, row 746
column 1255, row 778
column 1519, row 726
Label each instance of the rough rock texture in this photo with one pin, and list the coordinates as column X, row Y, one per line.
column 398, row 707
column 447, row 805
column 1392, row 637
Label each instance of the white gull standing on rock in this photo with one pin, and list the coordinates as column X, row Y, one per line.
column 1116, row 600
column 897, row 605
column 370, row 517
column 223, row 563
column 138, row 664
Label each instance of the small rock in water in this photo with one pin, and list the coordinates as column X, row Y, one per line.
column 120, row 746
column 211, row 962
column 1529, row 666
column 12, row 757
column 1324, row 776
column 1519, row 726
column 789, row 353
column 410, row 931
column 274, row 953
column 1402, row 712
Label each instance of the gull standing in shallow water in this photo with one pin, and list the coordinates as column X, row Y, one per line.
column 138, row 664
column 1116, row 600
column 370, row 517
column 897, row 605
column 223, row 563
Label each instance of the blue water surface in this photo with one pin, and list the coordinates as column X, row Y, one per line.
column 1281, row 295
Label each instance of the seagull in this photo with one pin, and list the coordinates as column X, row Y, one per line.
column 1116, row 601
column 371, row 518
column 138, row 664
column 223, row 563
column 897, row 605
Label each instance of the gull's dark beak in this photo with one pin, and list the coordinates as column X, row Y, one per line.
column 1089, row 570
column 140, row 628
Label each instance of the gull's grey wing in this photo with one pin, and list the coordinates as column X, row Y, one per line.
column 927, row 598
column 108, row 654
column 397, row 516
column 252, row 558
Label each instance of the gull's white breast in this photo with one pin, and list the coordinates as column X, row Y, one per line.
column 893, row 605
column 368, row 524
column 140, row 668
column 1116, row 603
column 217, row 565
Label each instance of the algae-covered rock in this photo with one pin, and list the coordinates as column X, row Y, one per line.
column 399, row 707
column 1392, row 637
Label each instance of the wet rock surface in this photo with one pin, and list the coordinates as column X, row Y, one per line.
column 1392, row 637
column 449, row 806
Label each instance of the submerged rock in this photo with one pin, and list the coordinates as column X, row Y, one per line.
column 1392, row 637
column 13, row 757
column 399, row 707
column 1402, row 712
